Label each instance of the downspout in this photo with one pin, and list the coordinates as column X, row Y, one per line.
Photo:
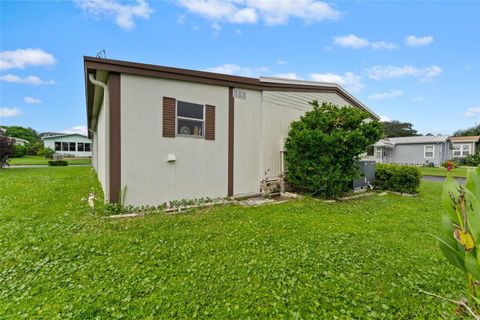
column 104, row 86
column 100, row 84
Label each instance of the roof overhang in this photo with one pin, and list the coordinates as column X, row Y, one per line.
column 100, row 68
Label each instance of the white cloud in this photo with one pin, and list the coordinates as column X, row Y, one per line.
column 26, row 80
column 384, row 118
column 124, row 14
column 10, row 112
column 472, row 112
column 77, row 129
column 390, row 72
column 383, row 45
column 31, row 100
column 22, row 58
column 414, row 41
column 281, row 62
column 350, row 41
column 288, row 75
column 252, row 11
column 238, row 70
column 349, row 80
column 385, row 95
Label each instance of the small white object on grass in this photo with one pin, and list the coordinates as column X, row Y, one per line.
column 91, row 199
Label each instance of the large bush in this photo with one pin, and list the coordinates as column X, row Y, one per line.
column 46, row 153
column 473, row 160
column 6, row 150
column 323, row 146
column 397, row 178
column 19, row 151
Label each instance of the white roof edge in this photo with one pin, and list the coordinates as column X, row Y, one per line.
column 65, row 135
column 319, row 84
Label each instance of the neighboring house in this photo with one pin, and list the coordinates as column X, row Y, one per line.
column 18, row 141
column 418, row 150
column 2, row 131
column 162, row 133
column 465, row 146
column 74, row 145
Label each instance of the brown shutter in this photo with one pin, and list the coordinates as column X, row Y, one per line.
column 168, row 117
column 209, row 122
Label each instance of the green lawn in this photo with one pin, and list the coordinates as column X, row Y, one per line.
column 366, row 258
column 35, row 160
column 442, row 172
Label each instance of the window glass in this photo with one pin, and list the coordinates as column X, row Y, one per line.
column 189, row 110
column 189, row 127
column 370, row 151
column 72, row 146
column 457, row 150
column 87, row 146
column 429, row 151
column 64, row 146
column 58, row 146
column 466, row 150
column 80, row 146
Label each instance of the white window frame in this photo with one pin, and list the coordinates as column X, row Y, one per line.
column 425, row 151
column 469, row 149
column 202, row 136
column 459, row 150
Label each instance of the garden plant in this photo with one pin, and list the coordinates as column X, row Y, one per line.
column 460, row 239
column 324, row 145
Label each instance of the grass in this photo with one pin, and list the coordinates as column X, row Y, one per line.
column 366, row 258
column 36, row 160
column 442, row 172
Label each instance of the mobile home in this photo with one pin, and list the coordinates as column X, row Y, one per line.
column 163, row 133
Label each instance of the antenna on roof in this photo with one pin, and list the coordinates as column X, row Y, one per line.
column 102, row 54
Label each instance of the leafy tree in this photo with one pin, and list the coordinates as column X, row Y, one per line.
column 28, row 134
column 473, row 131
column 6, row 150
column 323, row 146
column 398, row 129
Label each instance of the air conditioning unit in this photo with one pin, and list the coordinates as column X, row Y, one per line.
column 367, row 172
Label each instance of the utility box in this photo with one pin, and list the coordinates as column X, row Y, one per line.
column 367, row 172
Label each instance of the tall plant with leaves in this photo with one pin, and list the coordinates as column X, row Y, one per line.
column 460, row 238
column 324, row 145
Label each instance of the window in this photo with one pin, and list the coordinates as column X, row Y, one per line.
column 72, row 146
column 87, row 146
column 371, row 151
column 80, row 146
column 190, row 119
column 429, row 151
column 465, row 150
column 58, row 146
column 64, row 146
column 379, row 153
column 457, row 150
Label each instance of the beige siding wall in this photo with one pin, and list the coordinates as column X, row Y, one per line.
column 279, row 109
column 201, row 166
column 247, row 142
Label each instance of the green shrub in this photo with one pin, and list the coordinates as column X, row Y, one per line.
column 397, row 178
column 33, row 148
column 19, row 151
column 46, row 153
column 473, row 160
column 323, row 146
column 57, row 163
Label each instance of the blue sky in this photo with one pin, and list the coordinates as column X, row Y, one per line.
column 409, row 61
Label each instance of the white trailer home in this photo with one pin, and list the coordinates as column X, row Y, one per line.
column 163, row 133
column 71, row 145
